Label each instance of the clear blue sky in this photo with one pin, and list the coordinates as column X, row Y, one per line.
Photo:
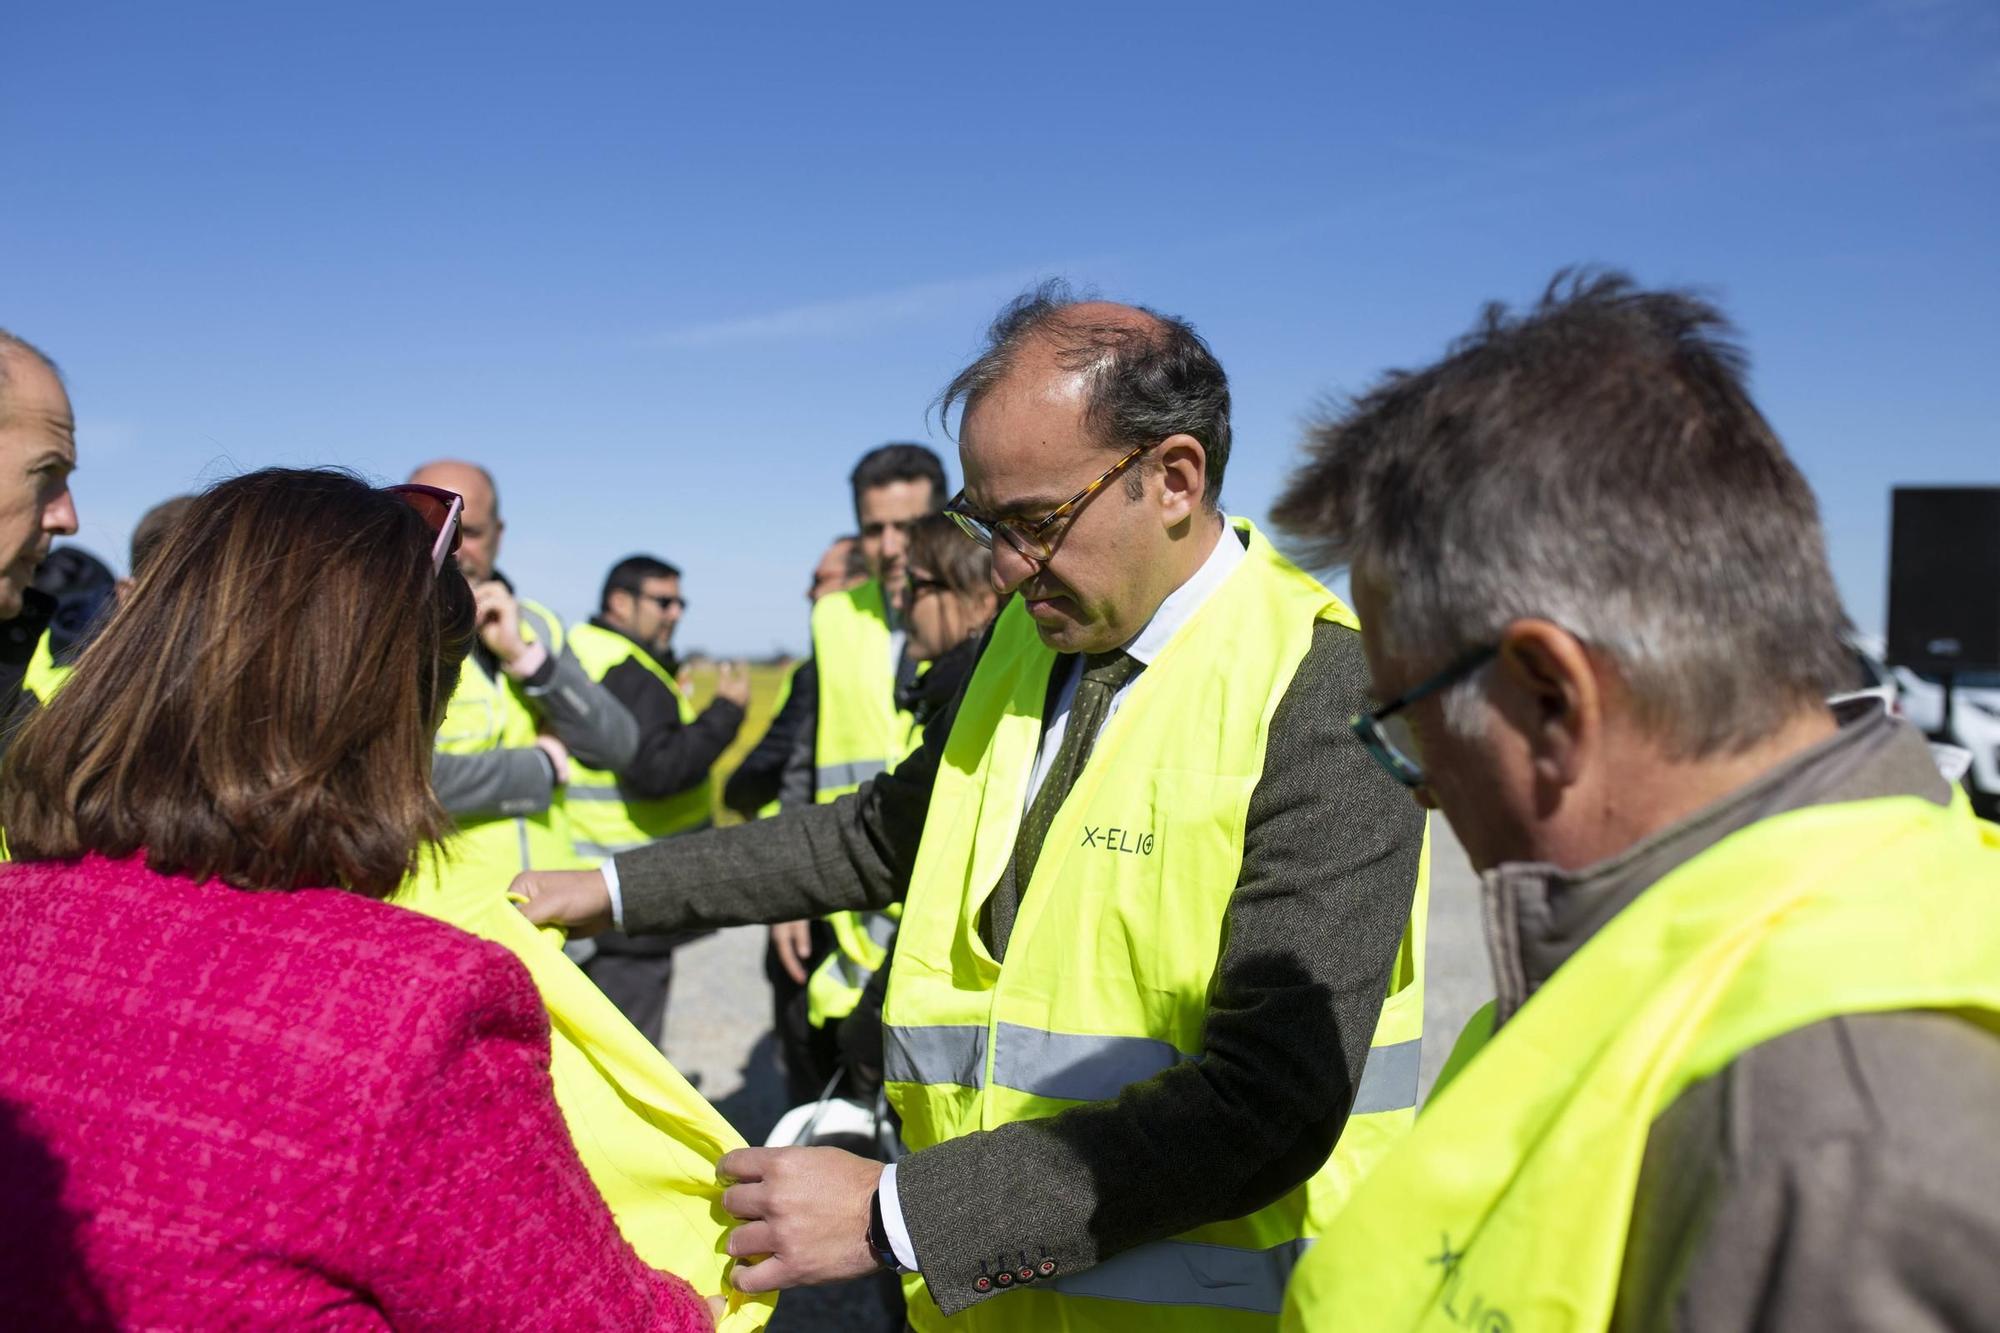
column 669, row 270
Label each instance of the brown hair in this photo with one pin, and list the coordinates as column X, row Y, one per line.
column 261, row 709
column 153, row 528
column 938, row 546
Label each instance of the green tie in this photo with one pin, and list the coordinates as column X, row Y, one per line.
column 1104, row 674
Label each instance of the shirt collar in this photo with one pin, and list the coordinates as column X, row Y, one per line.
column 1185, row 600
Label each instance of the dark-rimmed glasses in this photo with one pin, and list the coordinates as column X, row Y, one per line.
column 440, row 510
column 1037, row 540
column 1386, row 732
column 916, row 585
column 666, row 603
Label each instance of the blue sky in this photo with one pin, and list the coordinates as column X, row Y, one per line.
column 668, row 273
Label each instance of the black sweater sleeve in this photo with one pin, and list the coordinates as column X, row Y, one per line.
column 673, row 756
column 755, row 782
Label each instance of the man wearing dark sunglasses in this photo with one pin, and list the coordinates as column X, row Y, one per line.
column 1154, row 891
column 1744, row 1061
column 664, row 790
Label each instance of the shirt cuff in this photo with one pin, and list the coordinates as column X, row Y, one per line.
column 608, row 868
column 892, row 1220
column 524, row 667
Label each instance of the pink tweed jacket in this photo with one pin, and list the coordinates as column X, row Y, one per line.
column 285, row 1110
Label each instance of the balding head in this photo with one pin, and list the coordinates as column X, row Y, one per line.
column 480, row 525
column 19, row 356
column 37, row 455
column 1142, row 376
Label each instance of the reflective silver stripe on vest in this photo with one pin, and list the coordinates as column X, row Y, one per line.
column 829, row 776
column 954, row 1054
column 1178, row 1272
column 586, row 848
column 881, row 927
column 1389, row 1079
column 1071, row 1067
column 592, row 791
column 545, row 633
column 851, row 973
column 1075, row 1068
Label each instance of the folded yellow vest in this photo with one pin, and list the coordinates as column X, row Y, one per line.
column 648, row 1139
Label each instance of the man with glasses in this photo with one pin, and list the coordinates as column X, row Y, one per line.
column 1155, row 892
column 1742, row 1069
column 664, row 789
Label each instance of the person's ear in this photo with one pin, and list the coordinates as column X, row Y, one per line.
column 1183, row 465
column 619, row 605
column 1549, row 689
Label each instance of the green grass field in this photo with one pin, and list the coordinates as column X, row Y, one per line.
column 765, row 682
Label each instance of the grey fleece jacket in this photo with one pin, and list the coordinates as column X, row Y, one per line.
column 583, row 715
column 1842, row 1176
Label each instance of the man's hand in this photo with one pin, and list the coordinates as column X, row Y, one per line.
column 732, row 682
column 578, row 899
column 498, row 619
column 558, row 754
column 806, row 1209
column 793, row 942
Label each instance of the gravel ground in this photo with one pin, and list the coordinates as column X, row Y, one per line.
column 719, row 1035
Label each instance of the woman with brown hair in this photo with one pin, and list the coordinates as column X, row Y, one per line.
column 946, row 602
column 251, row 1093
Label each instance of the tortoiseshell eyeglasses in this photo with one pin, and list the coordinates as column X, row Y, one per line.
column 1036, row 539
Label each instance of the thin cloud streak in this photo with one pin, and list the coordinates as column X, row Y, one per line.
column 849, row 316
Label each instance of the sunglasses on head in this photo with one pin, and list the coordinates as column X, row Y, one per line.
column 440, row 510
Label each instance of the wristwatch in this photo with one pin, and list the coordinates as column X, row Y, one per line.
column 878, row 1236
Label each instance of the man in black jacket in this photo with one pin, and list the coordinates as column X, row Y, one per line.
column 37, row 455
column 627, row 648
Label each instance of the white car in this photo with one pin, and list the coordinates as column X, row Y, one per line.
column 1974, row 724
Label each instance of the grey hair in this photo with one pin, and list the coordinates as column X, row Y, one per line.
column 1596, row 462
column 1145, row 381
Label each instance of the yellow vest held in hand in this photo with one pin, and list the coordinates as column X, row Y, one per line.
column 602, row 820
column 1507, row 1208
column 649, row 1141
column 860, row 733
column 1112, row 958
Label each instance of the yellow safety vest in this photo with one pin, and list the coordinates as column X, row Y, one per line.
column 602, row 820
column 860, row 733
column 1113, row 957
column 44, row 676
column 493, row 714
column 649, row 1141
column 1508, row 1207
